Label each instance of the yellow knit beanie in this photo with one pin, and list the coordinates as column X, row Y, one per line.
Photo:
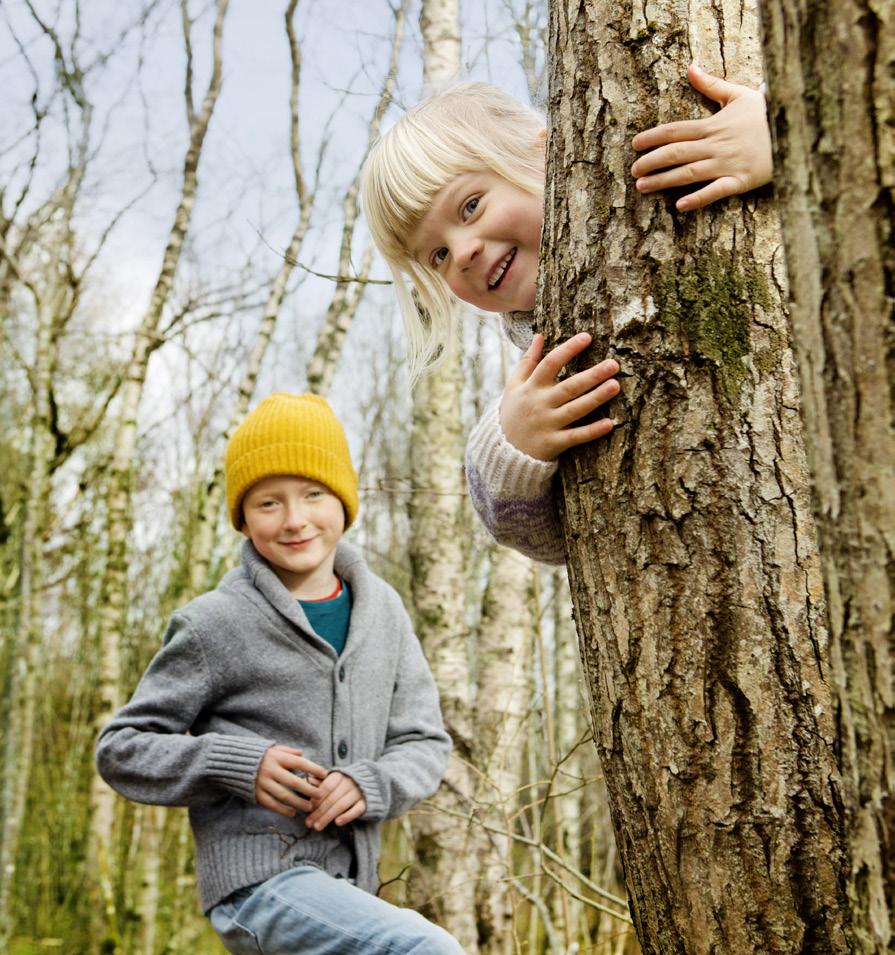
column 290, row 434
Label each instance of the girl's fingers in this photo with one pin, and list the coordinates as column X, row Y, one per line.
column 719, row 189
column 675, row 155
column 680, row 176
column 714, row 87
column 553, row 363
column 529, row 361
column 575, row 410
column 571, row 437
column 682, row 131
column 584, row 382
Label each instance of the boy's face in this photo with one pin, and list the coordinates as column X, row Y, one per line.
column 295, row 524
column 482, row 235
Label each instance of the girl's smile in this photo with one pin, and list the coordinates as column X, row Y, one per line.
column 482, row 235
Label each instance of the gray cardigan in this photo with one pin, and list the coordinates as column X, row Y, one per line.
column 240, row 670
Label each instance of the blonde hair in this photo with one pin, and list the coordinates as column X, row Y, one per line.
column 465, row 127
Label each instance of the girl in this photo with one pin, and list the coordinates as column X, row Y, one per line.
column 453, row 196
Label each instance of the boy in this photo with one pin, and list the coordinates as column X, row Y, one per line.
column 312, row 710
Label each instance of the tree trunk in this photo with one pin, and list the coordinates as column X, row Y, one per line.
column 503, row 700
column 830, row 69
column 569, row 726
column 203, row 551
column 691, row 547
column 349, row 289
column 19, row 737
column 438, row 560
column 113, row 607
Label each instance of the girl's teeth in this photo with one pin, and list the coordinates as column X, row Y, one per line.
column 498, row 272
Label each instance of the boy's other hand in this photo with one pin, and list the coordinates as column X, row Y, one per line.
column 537, row 412
column 337, row 799
column 277, row 785
column 730, row 150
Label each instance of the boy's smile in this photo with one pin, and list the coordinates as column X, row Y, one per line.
column 295, row 525
column 482, row 235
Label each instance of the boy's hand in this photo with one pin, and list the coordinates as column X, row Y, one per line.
column 730, row 150
column 338, row 798
column 536, row 410
column 277, row 786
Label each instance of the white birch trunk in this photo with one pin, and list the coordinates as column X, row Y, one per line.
column 349, row 289
column 113, row 605
column 569, row 728
column 438, row 530
column 503, row 700
column 19, row 742
column 203, row 549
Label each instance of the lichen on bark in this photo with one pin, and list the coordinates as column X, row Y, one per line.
column 711, row 300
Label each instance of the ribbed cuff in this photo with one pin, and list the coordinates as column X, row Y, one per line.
column 233, row 761
column 505, row 470
column 367, row 778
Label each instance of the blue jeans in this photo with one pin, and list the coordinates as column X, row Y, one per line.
column 304, row 911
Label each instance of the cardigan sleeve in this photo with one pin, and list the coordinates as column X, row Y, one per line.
column 513, row 493
column 144, row 752
column 417, row 747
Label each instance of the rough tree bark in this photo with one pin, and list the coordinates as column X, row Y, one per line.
column 831, row 71
column 691, row 546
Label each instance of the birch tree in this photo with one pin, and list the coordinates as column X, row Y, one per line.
column 438, row 518
column 44, row 265
column 212, row 500
column 832, row 113
column 113, row 607
column 349, row 288
column 690, row 542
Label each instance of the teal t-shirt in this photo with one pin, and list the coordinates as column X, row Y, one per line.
column 330, row 617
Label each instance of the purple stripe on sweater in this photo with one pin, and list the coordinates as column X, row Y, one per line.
column 529, row 525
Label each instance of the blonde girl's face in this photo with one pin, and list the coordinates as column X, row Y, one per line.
column 482, row 236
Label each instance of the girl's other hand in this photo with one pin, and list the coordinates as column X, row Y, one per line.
column 538, row 413
column 730, row 150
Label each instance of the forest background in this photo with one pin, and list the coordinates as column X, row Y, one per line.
column 178, row 224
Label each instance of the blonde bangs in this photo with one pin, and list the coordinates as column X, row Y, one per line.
column 466, row 127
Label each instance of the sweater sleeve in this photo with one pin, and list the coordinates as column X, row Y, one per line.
column 512, row 493
column 144, row 752
column 416, row 751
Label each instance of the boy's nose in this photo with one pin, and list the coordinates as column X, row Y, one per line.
column 295, row 517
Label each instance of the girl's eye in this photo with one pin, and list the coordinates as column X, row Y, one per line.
column 267, row 505
column 470, row 207
column 438, row 256
column 315, row 493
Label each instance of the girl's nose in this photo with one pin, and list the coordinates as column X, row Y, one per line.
column 467, row 250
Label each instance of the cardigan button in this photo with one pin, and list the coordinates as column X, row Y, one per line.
column 341, row 674
column 343, row 749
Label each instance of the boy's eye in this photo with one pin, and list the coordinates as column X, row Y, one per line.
column 438, row 256
column 470, row 207
column 315, row 492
